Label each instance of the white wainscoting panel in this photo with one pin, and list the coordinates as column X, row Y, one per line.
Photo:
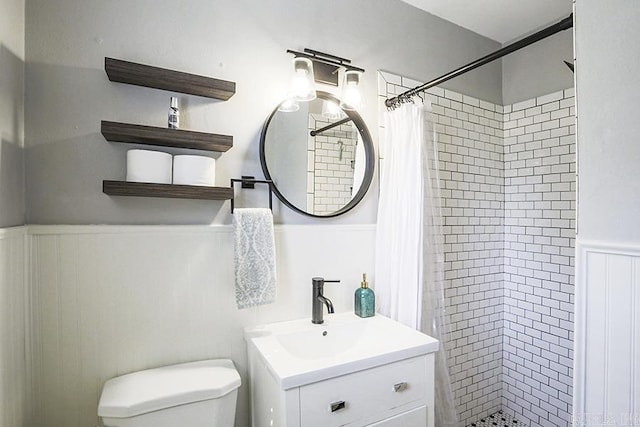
column 15, row 381
column 607, row 352
column 109, row 300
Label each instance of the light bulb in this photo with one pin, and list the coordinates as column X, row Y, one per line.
column 331, row 110
column 351, row 96
column 289, row 105
column 303, row 84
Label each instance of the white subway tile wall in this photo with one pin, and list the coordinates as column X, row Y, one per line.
column 331, row 157
column 539, row 248
column 508, row 188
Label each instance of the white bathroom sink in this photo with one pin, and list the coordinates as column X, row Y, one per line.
column 321, row 342
column 298, row 352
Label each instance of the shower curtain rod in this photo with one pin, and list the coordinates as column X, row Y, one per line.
column 565, row 24
column 330, row 126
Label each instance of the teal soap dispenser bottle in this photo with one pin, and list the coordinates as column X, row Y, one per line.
column 365, row 299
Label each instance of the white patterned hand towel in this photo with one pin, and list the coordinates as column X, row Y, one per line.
column 255, row 257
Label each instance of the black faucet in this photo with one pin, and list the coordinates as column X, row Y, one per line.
column 318, row 299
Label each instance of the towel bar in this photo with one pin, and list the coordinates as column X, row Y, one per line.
column 249, row 182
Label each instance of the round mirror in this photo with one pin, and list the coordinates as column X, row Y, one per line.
column 319, row 157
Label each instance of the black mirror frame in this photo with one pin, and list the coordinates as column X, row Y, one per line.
column 369, row 157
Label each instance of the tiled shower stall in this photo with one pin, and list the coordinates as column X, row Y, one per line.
column 507, row 175
column 330, row 166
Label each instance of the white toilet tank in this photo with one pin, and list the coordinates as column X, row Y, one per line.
column 197, row 394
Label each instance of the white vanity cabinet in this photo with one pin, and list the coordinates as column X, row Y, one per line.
column 378, row 396
column 346, row 372
column 397, row 394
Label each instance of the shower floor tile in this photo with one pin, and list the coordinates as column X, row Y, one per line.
column 498, row 419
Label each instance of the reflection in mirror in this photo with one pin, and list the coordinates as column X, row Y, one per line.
column 319, row 156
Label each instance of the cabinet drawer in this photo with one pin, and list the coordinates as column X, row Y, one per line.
column 414, row 417
column 364, row 394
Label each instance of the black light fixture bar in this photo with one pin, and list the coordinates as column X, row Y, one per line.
column 314, row 55
column 327, row 55
column 565, row 24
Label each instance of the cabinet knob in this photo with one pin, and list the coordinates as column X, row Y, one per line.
column 336, row 406
column 400, row 387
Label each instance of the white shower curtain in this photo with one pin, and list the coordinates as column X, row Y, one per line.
column 409, row 238
column 398, row 240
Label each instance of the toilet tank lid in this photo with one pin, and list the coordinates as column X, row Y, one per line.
column 155, row 389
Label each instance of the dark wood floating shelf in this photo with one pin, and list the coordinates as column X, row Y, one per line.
column 161, row 78
column 177, row 138
column 144, row 189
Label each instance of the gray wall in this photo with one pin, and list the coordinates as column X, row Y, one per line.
column 608, row 126
column 286, row 144
column 12, row 24
column 608, row 105
column 241, row 40
column 538, row 69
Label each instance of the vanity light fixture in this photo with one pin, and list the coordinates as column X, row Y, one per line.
column 351, row 98
column 303, row 87
column 313, row 66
